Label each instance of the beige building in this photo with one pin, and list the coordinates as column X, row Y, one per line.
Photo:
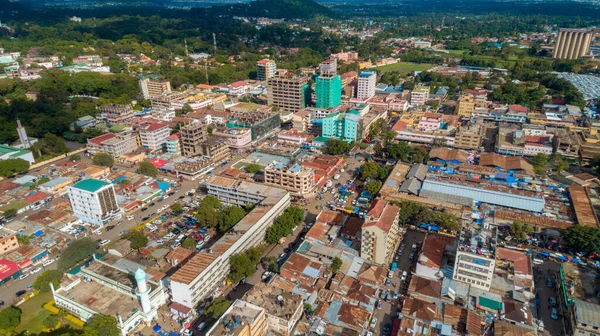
column 419, row 95
column 154, row 87
column 112, row 144
column 116, row 113
column 297, row 179
column 465, row 106
column 241, row 319
column 283, row 309
column 469, row 137
column 8, row 241
column 380, row 233
column 572, row 43
column 288, row 92
column 192, row 136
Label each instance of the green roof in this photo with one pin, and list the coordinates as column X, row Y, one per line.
column 90, row 185
column 489, row 303
column 117, row 128
column 321, row 139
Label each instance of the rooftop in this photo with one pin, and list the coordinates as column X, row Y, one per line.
column 268, row 297
column 90, row 185
column 188, row 272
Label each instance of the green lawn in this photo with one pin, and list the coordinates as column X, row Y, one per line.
column 403, row 67
column 34, row 314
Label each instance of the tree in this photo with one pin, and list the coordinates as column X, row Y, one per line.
column 137, row 238
column 50, row 321
column 10, row 317
column 285, row 224
column 148, row 169
column 42, row 282
column 540, row 163
column 12, row 212
column 337, row 263
column 124, row 182
column 244, row 264
column 520, row 230
column 369, row 170
column 24, row 239
column 75, row 157
column 388, row 136
column 211, row 201
column 189, row 243
column 176, row 208
column 101, row 325
column 207, row 215
column 253, row 168
column 230, row 216
column 75, row 252
column 11, row 167
column 582, row 238
column 418, row 154
column 558, row 163
column 337, row 147
column 373, row 187
column 217, row 307
column 103, row 159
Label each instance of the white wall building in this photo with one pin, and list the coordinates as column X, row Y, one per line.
column 474, row 269
column 105, row 289
column 94, row 201
column 207, row 271
column 367, row 80
column 154, row 135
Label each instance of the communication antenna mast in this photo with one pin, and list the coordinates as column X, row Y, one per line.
column 186, row 48
column 215, row 43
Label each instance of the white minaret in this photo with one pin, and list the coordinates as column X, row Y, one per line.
column 143, row 291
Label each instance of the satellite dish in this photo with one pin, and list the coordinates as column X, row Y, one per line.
column 279, row 298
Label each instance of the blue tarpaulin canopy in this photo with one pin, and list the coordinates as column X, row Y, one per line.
column 544, row 254
column 157, row 328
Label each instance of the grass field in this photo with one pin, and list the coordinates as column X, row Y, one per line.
column 34, row 314
column 500, row 63
column 403, row 67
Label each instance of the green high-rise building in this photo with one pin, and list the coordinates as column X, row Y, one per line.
column 328, row 90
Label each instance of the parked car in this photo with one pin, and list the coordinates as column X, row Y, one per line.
column 373, row 322
column 553, row 301
column 554, row 314
column 549, row 282
column 110, row 227
column 48, row 262
column 23, row 276
column 21, row 292
column 104, row 242
column 35, row 270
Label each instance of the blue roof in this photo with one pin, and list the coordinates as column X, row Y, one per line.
column 506, row 199
column 56, row 181
column 311, row 272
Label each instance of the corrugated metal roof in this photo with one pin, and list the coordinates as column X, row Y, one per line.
column 587, row 313
column 486, row 196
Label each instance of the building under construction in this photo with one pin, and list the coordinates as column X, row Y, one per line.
column 259, row 122
column 196, row 141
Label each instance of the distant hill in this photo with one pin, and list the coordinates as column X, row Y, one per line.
column 277, row 9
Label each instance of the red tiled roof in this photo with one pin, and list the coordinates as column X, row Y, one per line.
column 154, row 126
column 7, row 268
column 399, row 126
column 38, row 196
column 238, row 84
column 432, row 115
column 518, row 108
column 522, row 262
column 433, row 250
column 174, row 136
column 263, row 62
column 383, row 213
column 100, row 139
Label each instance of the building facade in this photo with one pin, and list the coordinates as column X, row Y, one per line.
column 154, row 135
column 474, row 269
column 174, row 144
column 419, row 95
column 380, row 233
column 191, row 136
column 572, row 43
column 298, row 180
column 328, row 85
column 288, row 92
column 367, row 81
column 94, row 201
column 154, row 87
column 265, row 69
column 343, row 126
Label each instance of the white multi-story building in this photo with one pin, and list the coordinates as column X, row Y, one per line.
column 108, row 290
column 367, row 80
column 207, row 271
column 94, row 201
column 474, row 269
column 419, row 95
column 112, row 144
column 265, row 69
column 153, row 87
column 295, row 178
column 154, row 135
column 173, row 144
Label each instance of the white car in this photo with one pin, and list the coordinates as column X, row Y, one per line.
column 48, row 262
column 23, row 276
column 104, row 242
column 36, row 270
column 373, row 322
column 130, row 217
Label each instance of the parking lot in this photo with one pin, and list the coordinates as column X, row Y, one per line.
column 389, row 309
column 548, row 270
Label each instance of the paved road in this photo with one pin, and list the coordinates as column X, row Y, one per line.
column 389, row 309
column 542, row 272
column 7, row 294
